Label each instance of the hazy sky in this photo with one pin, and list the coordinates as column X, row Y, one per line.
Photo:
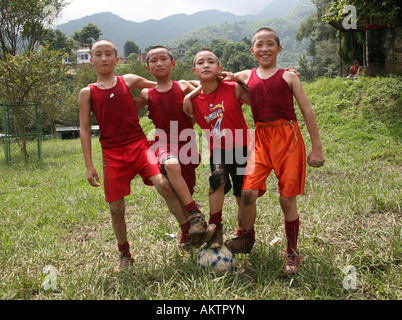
column 141, row 10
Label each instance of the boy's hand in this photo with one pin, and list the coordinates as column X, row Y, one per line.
column 194, row 83
column 294, row 71
column 315, row 159
column 92, row 177
column 188, row 108
column 226, row 76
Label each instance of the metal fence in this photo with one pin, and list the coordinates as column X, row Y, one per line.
column 22, row 134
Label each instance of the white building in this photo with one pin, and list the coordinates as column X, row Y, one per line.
column 83, row 55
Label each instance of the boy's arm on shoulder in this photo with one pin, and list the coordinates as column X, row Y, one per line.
column 292, row 70
column 240, row 77
column 142, row 100
column 242, row 93
column 136, row 82
column 188, row 107
column 187, row 86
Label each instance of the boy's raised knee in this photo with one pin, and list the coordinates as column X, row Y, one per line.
column 172, row 168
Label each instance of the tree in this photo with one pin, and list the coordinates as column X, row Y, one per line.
column 57, row 40
column 191, row 52
column 29, row 72
column 131, row 47
column 218, row 46
column 30, row 76
column 24, row 23
column 87, row 35
column 236, row 56
column 240, row 61
column 387, row 11
column 320, row 58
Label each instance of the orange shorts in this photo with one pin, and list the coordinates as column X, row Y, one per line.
column 279, row 146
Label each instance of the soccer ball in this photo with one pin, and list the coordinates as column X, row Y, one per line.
column 219, row 260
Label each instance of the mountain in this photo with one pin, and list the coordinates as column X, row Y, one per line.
column 149, row 32
column 153, row 32
column 286, row 27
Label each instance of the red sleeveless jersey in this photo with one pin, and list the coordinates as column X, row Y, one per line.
column 270, row 98
column 116, row 115
column 221, row 117
column 166, row 112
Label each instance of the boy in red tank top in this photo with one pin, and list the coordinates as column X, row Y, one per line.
column 124, row 144
column 218, row 112
column 176, row 148
column 279, row 145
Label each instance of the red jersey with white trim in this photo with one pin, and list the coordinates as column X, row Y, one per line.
column 220, row 115
column 116, row 115
column 270, row 98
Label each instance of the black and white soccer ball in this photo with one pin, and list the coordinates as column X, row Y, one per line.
column 219, row 260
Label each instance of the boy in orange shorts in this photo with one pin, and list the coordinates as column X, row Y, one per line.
column 279, row 144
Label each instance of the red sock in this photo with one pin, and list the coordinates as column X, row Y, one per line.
column 215, row 218
column 192, row 206
column 184, row 231
column 292, row 233
column 124, row 249
column 240, row 232
column 249, row 234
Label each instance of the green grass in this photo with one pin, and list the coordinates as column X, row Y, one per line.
column 350, row 215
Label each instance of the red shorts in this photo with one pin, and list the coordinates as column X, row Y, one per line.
column 279, row 146
column 122, row 164
column 189, row 159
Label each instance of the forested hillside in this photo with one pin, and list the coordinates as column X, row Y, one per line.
column 283, row 16
column 285, row 26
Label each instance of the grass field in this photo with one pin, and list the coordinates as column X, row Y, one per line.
column 350, row 219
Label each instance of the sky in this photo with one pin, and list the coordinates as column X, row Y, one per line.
column 142, row 10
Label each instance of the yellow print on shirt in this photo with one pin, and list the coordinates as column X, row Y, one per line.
column 217, row 106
